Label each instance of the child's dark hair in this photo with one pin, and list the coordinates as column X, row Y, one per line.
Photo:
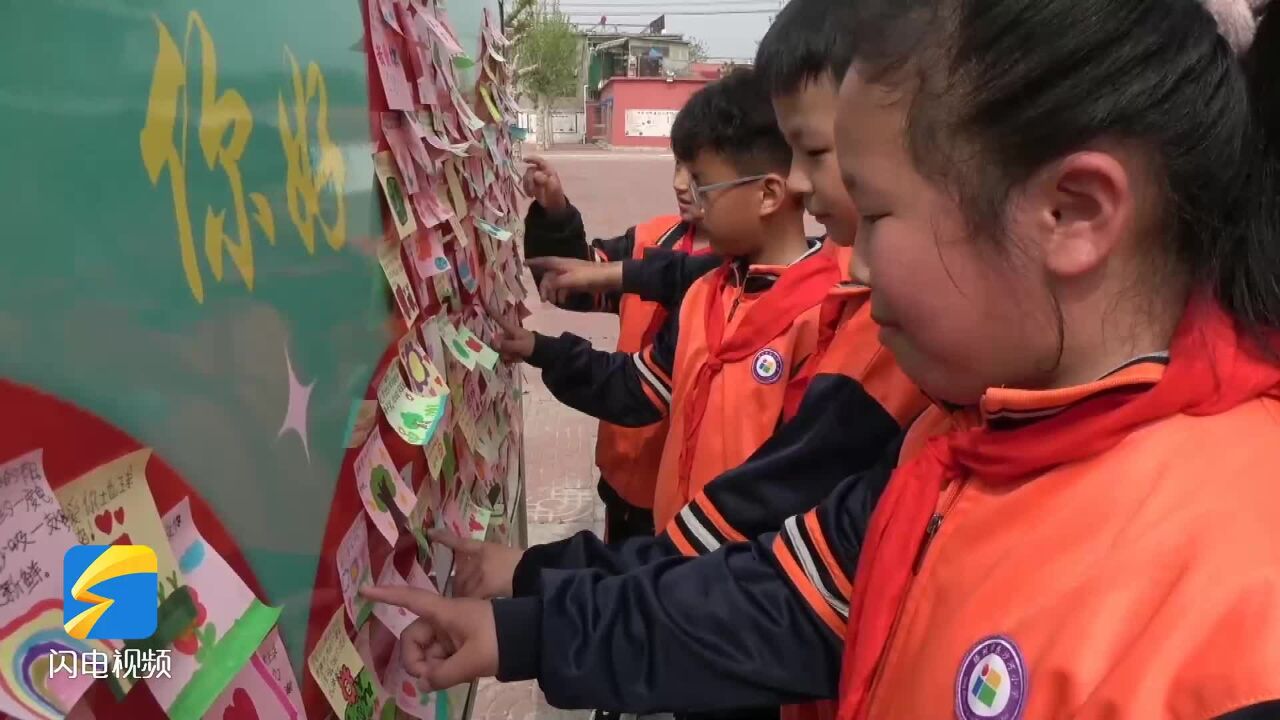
column 734, row 118
column 808, row 39
column 999, row 88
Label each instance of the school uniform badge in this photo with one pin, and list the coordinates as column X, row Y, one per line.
column 767, row 367
column 992, row 682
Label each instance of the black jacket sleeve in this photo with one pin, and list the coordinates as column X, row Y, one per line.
column 733, row 628
column 663, row 276
column 563, row 234
column 586, row 550
column 626, row 389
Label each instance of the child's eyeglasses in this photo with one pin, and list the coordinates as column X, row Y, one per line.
column 700, row 191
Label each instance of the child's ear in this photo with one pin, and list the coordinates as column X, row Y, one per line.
column 774, row 194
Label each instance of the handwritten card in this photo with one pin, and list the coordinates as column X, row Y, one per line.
column 354, row 571
column 432, row 211
column 466, row 266
column 435, row 453
column 430, row 24
column 273, row 656
column 426, row 252
column 253, row 694
column 381, row 490
column 393, row 130
column 492, row 230
column 384, row 166
column 112, row 505
column 423, row 376
column 341, row 674
column 456, row 196
column 395, row 618
column 398, row 278
column 386, row 53
column 220, row 596
column 414, row 417
column 364, row 414
column 34, row 535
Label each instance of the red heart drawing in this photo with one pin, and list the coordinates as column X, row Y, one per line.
column 122, row 540
column 241, row 707
column 103, row 521
column 474, row 344
column 407, row 689
column 119, row 516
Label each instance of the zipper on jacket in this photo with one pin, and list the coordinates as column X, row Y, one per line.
column 737, row 298
column 935, row 523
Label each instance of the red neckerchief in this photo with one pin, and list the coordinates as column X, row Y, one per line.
column 800, row 287
column 1212, row 369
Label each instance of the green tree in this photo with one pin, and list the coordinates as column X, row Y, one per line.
column 548, row 55
column 697, row 50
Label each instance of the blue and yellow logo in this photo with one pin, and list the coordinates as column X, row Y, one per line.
column 110, row 592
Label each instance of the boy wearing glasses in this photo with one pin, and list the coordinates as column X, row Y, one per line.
column 627, row 457
column 723, row 368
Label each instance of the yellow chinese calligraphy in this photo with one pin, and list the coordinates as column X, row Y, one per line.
column 303, row 186
column 223, row 130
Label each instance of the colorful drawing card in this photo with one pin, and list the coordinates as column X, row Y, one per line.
column 398, row 278
column 354, row 571
column 393, row 129
column 384, row 166
column 383, row 493
column 410, row 697
column 276, row 660
column 492, row 230
column 342, row 676
column 483, row 354
column 422, row 375
column 112, row 505
column 414, row 417
column 252, row 695
column 426, row 252
column 457, row 347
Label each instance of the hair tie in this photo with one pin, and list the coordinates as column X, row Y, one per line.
column 1237, row 21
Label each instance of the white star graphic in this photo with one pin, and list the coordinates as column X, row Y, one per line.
column 295, row 417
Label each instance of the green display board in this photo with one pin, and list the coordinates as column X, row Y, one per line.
column 189, row 217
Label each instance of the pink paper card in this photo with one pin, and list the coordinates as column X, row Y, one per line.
column 252, row 694
column 354, row 571
column 384, row 166
column 386, row 52
column 395, row 618
column 428, row 23
column 381, row 490
column 398, row 278
column 276, row 660
column 426, row 252
column 427, row 203
column 220, row 596
column 390, row 15
column 398, row 139
column 409, row 696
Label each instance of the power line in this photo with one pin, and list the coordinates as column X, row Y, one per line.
column 603, row 4
column 671, row 13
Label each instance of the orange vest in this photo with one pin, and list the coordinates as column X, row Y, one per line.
column 745, row 398
column 628, row 458
column 1031, row 602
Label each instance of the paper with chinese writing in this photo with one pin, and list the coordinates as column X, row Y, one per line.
column 415, row 417
column 381, row 490
column 384, row 166
column 336, row 666
column 386, row 53
column 253, row 694
column 276, row 659
column 354, row 571
column 112, row 505
column 395, row 132
column 220, row 596
column 397, row 278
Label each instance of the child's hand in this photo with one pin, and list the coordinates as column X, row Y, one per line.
column 562, row 276
column 542, row 183
column 513, row 342
column 453, row 641
column 480, row 569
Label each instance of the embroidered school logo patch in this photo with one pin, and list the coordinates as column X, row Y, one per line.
column 992, row 682
column 767, row 367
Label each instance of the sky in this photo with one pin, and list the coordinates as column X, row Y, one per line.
column 732, row 31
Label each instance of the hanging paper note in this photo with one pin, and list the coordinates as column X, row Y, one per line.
column 414, row 417
column 465, row 113
column 384, row 166
column 488, row 103
column 395, row 618
column 364, row 413
column 423, row 516
column 457, row 348
column 341, row 674
column 398, row 140
column 442, row 33
column 354, row 572
column 388, row 10
column 253, row 694
column 483, row 354
column 478, row 522
column 456, row 195
column 435, row 454
column 383, row 493
column 34, row 535
column 426, row 252
column 112, row 505
column 423, row 377
column 273, row 656
column 398, row 278
column 386, row 53
column 491, row 230
column 466, row 269
column 220, row 597
column 431, row 210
